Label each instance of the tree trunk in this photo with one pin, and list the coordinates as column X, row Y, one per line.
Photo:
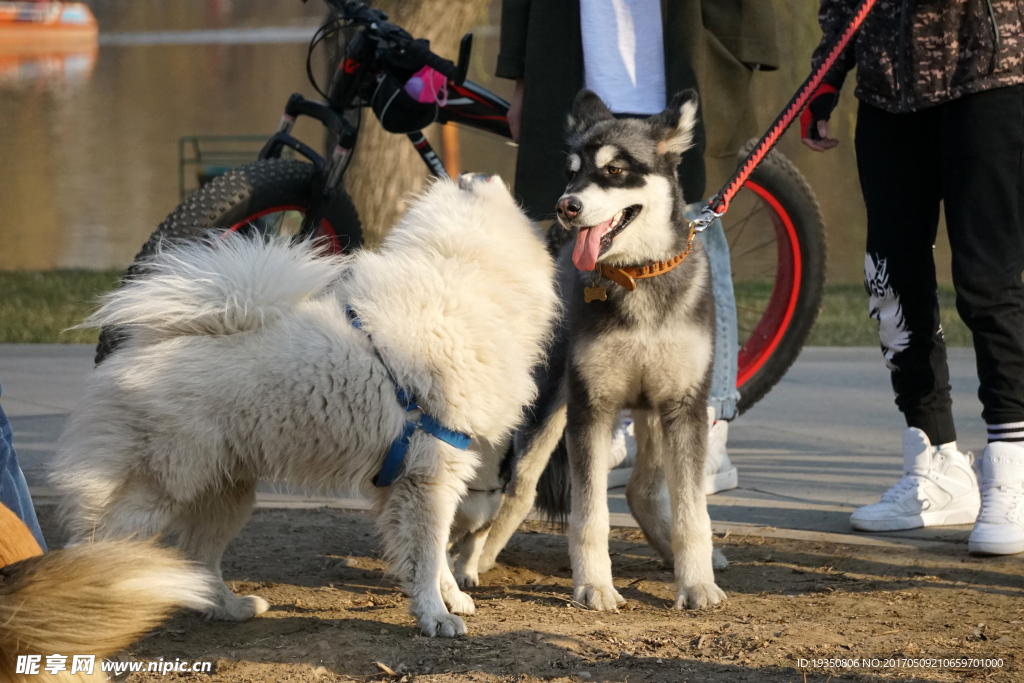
column 385, row 168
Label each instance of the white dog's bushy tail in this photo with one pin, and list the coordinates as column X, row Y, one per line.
column 217, row 286
column 94, row 598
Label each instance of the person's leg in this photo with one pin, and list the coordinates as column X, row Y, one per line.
column 983, row 149
column 897, row 159
column 13, row 487
column 983, row 154
column 724, row 394
column 719, row 473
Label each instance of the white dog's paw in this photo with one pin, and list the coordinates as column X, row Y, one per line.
column 486, row 562
column 718, row 559
column 235, row 608
column 444, row 625
column 602, row 598
column 458, row 602
column 468, row 580
column 699, row 596
column 259, row 605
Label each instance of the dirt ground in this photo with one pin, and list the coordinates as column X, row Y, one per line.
column 335, row 614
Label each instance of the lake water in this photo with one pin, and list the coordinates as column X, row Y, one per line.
column 89, row 145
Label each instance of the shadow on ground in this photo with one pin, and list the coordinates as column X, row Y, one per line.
column 335, row 613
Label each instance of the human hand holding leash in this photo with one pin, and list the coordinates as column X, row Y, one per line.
column 814, row 119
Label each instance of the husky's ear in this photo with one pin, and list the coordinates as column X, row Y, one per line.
column 676, row 123
column 587, row 109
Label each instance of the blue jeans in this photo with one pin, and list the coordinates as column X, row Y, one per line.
column 723, row 394
column 13, row 487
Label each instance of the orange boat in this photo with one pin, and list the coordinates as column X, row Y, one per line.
column 45, row 26
column 46, row 43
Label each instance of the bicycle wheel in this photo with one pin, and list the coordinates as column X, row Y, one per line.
column 776, row 241
column 268, row 197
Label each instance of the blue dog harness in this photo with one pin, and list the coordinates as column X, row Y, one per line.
column 400, row 446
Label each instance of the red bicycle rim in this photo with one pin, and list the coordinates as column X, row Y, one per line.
column 325, row 231
column 772, row 326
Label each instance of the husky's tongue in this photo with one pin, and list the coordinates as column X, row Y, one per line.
column 588, row 245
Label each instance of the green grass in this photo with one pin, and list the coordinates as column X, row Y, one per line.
column 844, row 321
column 39, row 307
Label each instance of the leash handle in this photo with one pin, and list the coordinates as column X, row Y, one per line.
column 719, row 204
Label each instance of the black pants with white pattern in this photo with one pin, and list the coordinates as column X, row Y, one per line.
column 968, row 155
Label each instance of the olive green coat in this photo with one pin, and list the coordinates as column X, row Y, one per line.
column 711, row 43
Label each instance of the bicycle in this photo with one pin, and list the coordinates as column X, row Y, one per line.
column 775, row 230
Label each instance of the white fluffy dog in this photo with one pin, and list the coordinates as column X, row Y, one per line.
column 243, row 366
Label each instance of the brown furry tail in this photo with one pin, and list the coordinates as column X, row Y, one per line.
column 93, row 598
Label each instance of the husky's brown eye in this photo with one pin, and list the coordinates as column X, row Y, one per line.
column 613, row 170
column 570, row 174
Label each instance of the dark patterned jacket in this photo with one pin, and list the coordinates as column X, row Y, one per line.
column 912, row 54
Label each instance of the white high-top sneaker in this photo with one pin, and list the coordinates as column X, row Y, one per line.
column 938, row 487
column 719, row 474
column 623, row 451
column 1000, row 526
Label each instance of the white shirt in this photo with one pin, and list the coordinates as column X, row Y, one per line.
column 624, row 54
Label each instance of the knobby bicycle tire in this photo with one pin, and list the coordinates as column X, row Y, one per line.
column 231, row 201
column 802, row 249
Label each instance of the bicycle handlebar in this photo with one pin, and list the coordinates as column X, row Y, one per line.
column 395, row 36
column 298, row 105
column 358, row 12
column 443, row 66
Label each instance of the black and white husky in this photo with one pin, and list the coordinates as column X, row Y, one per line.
column 627, row 340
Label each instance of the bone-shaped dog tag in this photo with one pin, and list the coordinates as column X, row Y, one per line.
column 594, row 294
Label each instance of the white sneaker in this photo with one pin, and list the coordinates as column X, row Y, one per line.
column 719, row 474
column 1000, row 526
column 623, row 451
column 938, row 487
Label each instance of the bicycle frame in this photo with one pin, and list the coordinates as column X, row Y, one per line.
column 467, row 104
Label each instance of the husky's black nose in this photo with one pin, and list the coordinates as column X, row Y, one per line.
column 569, row 207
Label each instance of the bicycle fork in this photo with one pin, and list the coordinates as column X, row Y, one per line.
column 427, row 153
column 329, row 171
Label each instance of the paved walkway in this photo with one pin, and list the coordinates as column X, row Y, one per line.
column 824, row 441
